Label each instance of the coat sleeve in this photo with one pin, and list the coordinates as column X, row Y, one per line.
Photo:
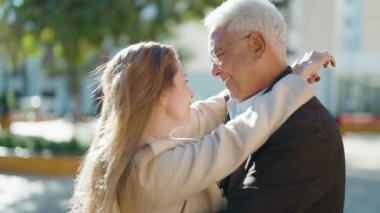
column 175, row 174
column 205, row 116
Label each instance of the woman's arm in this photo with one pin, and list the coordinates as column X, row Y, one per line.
column 173, row 175
column 206, row 115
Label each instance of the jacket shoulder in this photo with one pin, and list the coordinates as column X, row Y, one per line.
column 312, row 113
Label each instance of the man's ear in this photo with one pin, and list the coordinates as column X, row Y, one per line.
column 257, row 44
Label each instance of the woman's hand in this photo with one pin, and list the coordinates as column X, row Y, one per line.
column 309, row 66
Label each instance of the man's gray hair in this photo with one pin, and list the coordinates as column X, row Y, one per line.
column 249, row 16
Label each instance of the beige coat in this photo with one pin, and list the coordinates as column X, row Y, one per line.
column 181, row 175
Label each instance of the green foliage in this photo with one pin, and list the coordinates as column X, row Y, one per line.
column 71, row 29
column 38, row 145
column 16, row 42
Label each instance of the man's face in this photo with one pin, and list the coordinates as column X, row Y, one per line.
column 233, row 62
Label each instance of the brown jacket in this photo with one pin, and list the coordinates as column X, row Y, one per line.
column 301, row 168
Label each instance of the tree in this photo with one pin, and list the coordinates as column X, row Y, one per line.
column 16, row 42
column 73, row 32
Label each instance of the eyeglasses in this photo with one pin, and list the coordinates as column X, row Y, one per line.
column 213, row 53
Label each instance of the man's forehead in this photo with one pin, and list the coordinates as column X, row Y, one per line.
column 216, row 37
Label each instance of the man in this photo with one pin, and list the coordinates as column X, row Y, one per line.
column 301, row 168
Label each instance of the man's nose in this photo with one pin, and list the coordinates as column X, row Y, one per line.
column 215, row 70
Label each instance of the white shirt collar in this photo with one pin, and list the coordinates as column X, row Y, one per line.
column 236, row 108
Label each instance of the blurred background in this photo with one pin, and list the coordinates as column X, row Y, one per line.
column 48, row 101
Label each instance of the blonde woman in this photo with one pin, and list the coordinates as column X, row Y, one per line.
column 134, row 165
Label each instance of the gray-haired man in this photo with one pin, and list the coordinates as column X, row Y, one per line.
column 301, row 168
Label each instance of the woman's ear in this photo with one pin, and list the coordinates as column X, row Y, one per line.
column 257, row 44
column 164, row 98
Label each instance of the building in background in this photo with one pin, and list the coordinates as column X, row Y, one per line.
column 350, row 30
column 49, row 95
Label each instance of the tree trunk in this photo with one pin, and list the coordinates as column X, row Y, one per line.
column 5, row 116
column 5, row 122
column 74, row 92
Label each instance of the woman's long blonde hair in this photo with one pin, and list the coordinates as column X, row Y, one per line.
column 132, row 83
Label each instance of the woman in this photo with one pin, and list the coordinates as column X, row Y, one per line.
column 133, row 164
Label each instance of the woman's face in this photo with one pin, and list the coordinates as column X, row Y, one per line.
column 179, row 97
